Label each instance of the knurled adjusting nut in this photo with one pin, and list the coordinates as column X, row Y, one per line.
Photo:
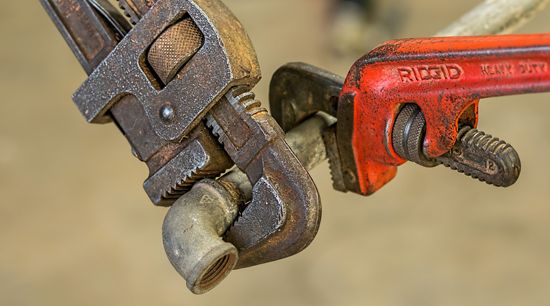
column 173, row 48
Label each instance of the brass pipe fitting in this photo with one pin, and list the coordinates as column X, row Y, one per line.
column 192, row 232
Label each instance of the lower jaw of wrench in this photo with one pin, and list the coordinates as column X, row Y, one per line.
column 285, row 210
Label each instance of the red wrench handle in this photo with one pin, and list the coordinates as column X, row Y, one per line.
column 444, row 77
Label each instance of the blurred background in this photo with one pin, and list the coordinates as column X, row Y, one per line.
column 76, row 227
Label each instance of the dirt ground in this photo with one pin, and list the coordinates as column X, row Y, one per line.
column 76, row 227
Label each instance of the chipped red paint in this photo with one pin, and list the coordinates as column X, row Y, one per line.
column 444, row 77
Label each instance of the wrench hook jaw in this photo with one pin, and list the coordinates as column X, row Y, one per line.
column 284, row 212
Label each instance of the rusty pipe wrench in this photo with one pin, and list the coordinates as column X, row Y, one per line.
column 416, row 99
column 185, row 68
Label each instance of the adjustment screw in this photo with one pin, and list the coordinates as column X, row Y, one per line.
column 167, row 114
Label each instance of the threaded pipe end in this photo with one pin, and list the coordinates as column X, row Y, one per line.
column 217, row 271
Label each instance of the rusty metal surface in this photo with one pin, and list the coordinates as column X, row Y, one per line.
column 306, row 142
column 168, row 178
column 492, row 17
column 334, row 160
column 345, row 133
column 135, row 9
column 298, row 90
column 409, row 128
column 171, row 172
column 483, row 157
column 227, row 53
column 88, row 34
column 285, row 210
column 283, row 213
column 164, row 59
column 174, row 48
column 493, row 283
column 198, row 212
column 181, row 165
column 157, row 86
column 237, row 131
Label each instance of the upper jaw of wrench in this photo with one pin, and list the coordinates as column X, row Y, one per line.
column 137, row 81
column 299, row 90
column 225, row 59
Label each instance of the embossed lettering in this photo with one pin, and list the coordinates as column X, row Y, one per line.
column 406, row 74
column 497, row 69
column 533, row 67
column 206, row 199
column 436, row 72
column 454, row 71
column 509, row 68
column 427, row 73
column 424, row 73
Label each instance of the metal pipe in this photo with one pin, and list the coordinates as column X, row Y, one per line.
column 495, row 17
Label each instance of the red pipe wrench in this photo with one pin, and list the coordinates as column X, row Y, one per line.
column 416, row 99
column 445, row 78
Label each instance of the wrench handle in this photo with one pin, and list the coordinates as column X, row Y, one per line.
column 90, row 37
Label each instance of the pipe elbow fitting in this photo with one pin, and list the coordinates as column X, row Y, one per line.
column 192, row 231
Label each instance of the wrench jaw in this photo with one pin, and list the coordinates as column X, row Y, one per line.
column 299, row 90
column 285, row 210
column 225, row 59
column 172, row 174
column 371, row 109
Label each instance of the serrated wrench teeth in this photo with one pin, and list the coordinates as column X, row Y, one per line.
column 135, row 9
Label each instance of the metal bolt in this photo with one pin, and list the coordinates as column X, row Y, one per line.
column 167, row 114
